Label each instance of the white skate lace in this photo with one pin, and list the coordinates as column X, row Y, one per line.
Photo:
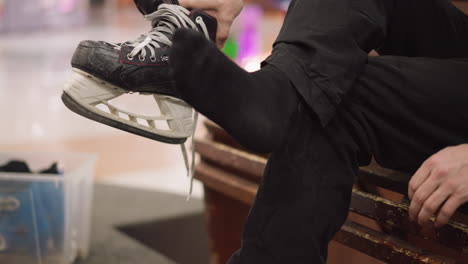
column 166, row 20
column 190, row 165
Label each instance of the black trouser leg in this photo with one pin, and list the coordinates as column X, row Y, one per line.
column 304, row 197
column 322, row 45
column 401, row 110
column 426, row 28
column 409, row 108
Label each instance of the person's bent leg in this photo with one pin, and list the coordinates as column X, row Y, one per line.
column 411, row 108
column 323, row 46
column 320, row 50
column 304, row 196
column 402, row 110
column 254, row 108
column 425, row 28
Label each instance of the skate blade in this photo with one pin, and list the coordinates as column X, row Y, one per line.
column 84, row 92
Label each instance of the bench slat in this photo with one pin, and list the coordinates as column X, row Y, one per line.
column 226, row 183
column 384, row 247
column 234, row 159
column 453, row 235
column 388, row 179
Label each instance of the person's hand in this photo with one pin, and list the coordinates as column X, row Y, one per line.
column 225, row 12
column 439, row 186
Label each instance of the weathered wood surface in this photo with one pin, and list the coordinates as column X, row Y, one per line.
column 385, row 247
column 453, row 235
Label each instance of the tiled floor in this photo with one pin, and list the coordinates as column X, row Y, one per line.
column 33, row 69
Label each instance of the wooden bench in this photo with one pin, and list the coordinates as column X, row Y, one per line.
column 377, row 226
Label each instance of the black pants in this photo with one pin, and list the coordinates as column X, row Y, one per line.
column 400, row 109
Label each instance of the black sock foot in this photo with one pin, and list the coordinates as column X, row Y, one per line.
column 253, row 107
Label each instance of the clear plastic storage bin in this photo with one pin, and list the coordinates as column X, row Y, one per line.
column 45, row 218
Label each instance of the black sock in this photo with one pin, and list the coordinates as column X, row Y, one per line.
column 253, row 107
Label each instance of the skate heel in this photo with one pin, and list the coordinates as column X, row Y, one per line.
column 87, row 90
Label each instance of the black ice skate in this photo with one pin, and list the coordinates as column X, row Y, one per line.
column 103, row 71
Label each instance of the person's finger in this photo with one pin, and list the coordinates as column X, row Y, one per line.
column 418, row 178
column 448, row 209
column 222, row 34
column 432, row 204
column 200, row 4
column 420, row 196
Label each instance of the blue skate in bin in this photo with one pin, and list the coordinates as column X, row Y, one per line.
column 31, row 215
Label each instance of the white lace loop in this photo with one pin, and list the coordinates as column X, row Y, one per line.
column 166, row 20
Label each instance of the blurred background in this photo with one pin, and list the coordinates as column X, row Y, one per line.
column 140, row 180
column 37, row 40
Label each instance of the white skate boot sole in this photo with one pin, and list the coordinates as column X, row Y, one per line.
column 84, row 92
